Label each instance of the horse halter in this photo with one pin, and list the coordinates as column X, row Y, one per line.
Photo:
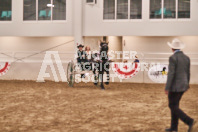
column 104, row 45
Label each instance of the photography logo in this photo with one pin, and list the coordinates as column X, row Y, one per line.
column 4, row 67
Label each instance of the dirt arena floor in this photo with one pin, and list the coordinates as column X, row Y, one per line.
column 28, row 106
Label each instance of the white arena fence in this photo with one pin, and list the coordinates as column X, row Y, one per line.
column 32, row 57
column 37, row 57
column 163, row 57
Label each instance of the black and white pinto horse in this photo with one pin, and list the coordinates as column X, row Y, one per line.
column 102, row 65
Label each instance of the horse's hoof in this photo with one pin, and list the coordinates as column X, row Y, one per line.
column 82, row 75
column 103, row 88
column 107, row 83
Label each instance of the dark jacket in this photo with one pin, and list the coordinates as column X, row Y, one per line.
column 82, row 58
column 179, row 73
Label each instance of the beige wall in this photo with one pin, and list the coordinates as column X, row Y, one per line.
column 159, row 44
column 21, row 47
column 115, row 44
column 34, row 43
column 93, row 42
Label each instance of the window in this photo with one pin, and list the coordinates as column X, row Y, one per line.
column 122, row 9
column 5, row 10
column 184, row 9
column 155, row 9
column 44, row 10
column 47, row 10
column 166, row 9
column 109, row 9
column 90, row 1
column 136, row 9
column 29, row 8
column 169, row 8
column 59, row 10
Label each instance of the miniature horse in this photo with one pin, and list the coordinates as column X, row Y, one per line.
column 102, row 65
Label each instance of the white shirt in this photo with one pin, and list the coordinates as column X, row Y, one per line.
column 88, row 55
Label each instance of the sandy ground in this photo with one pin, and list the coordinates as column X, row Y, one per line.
column 54, row 107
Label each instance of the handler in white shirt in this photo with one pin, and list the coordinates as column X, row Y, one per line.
column 88, row 51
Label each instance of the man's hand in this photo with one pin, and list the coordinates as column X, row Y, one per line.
column 166, row 92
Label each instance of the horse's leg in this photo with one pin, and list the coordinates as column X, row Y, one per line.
column 82, row 68
column 95, row 77
column 108, row 76
column 94, row 68
column 101, row 77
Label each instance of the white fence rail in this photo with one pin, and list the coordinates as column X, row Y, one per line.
column 164, row 57
column 32, row 57
column 37, row 57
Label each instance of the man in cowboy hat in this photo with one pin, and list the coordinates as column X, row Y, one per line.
column 177, row 84
column 81, row 54
column 82, row 57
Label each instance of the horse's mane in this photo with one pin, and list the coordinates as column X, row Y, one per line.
column 104, row 51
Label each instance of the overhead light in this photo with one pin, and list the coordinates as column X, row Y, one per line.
column 50, row 5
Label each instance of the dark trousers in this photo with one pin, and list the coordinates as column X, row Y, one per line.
column 176, row 113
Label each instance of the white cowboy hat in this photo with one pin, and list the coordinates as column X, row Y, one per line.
column 176, row 44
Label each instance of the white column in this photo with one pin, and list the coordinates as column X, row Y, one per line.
column 78, row 20
column 146, row 10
